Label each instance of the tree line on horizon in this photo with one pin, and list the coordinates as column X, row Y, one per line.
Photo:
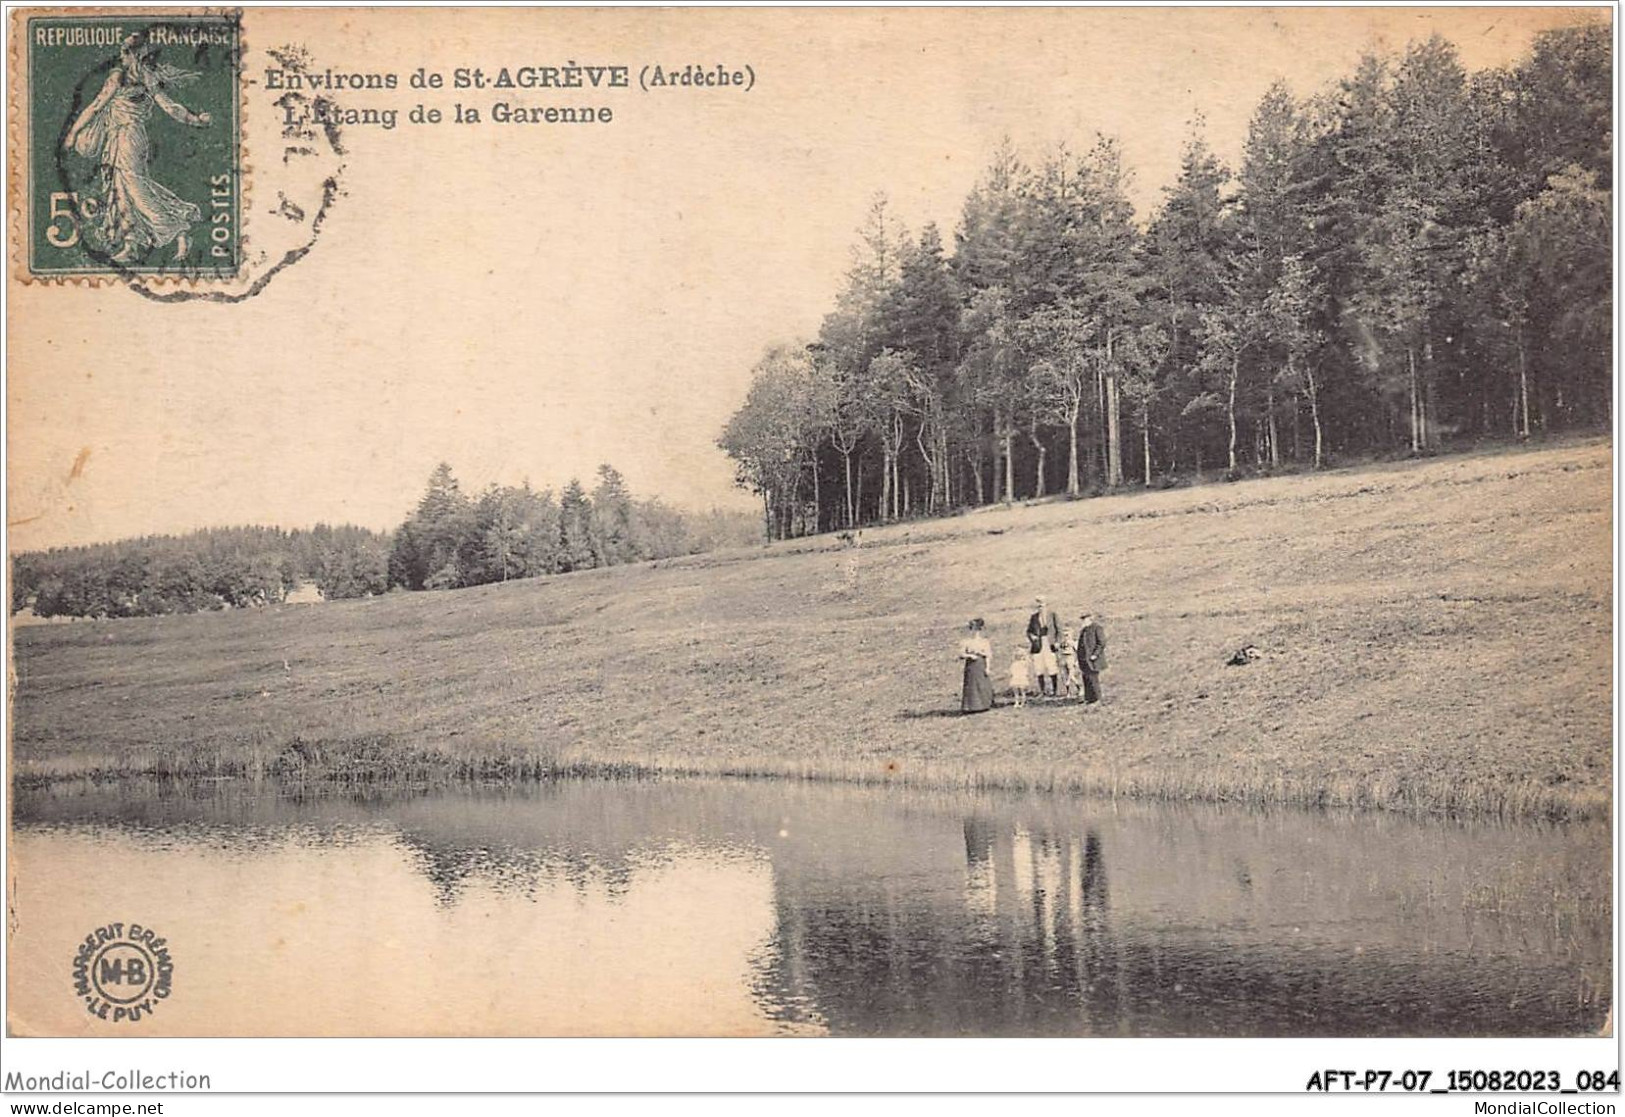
column 1414, row 256
column 213, row 568
column 450, row 540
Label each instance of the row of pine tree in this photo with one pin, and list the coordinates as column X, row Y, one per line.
column 509, row 532
column 1414, row 257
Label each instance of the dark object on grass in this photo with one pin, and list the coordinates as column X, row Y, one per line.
column 1244, row 655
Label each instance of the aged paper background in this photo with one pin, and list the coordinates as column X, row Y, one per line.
column 474, row 284
column 527, row 301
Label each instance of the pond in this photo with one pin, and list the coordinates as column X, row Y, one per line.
column 746, row 908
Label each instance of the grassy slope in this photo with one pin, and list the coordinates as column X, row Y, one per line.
column 1437, row 636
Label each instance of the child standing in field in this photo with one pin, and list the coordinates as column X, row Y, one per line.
column 1020, row 676
column 1068, row 656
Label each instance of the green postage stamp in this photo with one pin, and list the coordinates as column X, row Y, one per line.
column 134, row 150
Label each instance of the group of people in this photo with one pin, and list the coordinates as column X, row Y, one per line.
column 1055, row 662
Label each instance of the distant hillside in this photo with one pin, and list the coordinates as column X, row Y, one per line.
column 1436, row 636
column 480, row 541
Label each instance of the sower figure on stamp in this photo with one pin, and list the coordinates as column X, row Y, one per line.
column 1091, row 657
column 137, row 212
column 1043, row 630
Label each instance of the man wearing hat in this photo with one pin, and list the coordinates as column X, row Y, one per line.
column 1091, row 657
column 1043, row 630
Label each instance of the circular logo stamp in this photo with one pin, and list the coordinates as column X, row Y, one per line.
column 122, row 972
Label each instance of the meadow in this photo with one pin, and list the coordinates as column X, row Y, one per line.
column 1436, row 637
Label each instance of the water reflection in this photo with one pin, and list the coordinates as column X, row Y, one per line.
column 709, row 908
column 1406, row 930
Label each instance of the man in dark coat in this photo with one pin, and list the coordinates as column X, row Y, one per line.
column 1091, row 657
column 1043, row 637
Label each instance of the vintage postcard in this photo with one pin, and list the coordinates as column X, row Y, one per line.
column 854, row 522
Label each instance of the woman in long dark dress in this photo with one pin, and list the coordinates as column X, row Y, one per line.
column 976, row 652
